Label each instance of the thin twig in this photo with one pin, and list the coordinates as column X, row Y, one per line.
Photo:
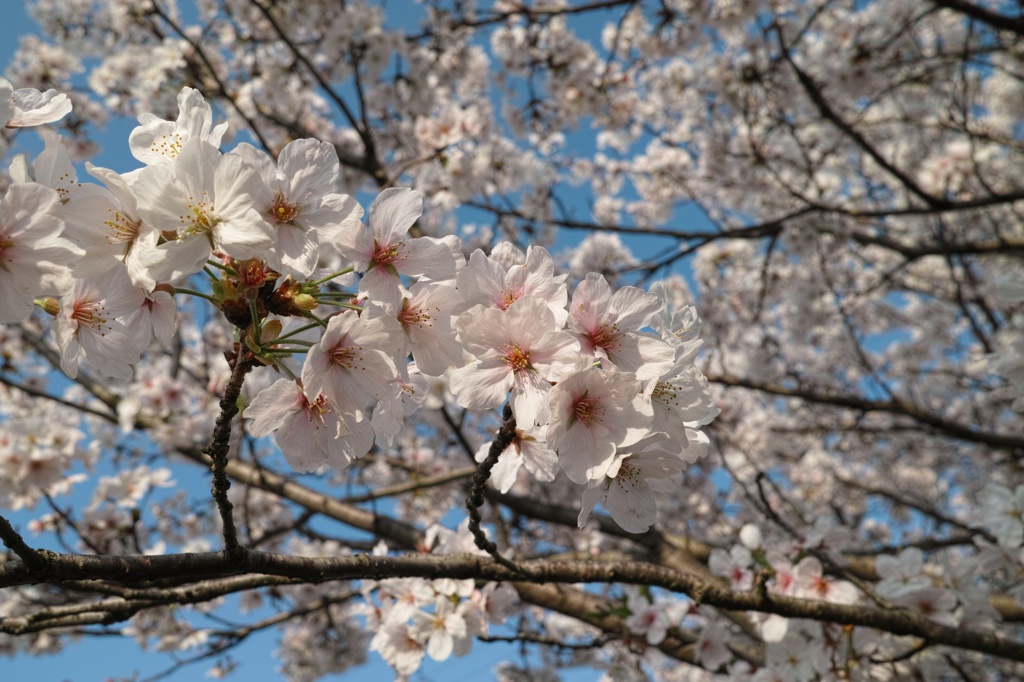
column 502, row 440
column 217, row 450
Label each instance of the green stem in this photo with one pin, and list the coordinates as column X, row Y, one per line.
column 221, row 266
column 296, row 331
column 257, row 328
column 193, row 292
column 298, row 342
column 318, row 321
column 348, row 306
column 331, row 276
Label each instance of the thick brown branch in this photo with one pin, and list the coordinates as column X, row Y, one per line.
column 135, row 569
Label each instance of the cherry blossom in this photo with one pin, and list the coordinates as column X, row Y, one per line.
column 300, row 197
column 26, row 107
column 306, row 430
column 439, row 630
column 90, row 325
column 33, row 255
column 594, row 411
column 527, row 449
column 790, row 375
column 156, row 141
column 384, row 251
column 518, row 349
column 608, row 326
column 353, row 362
column 1004, row 514
column 199, row 202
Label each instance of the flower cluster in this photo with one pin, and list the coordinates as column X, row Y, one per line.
column 602, row 384
column 414, row 617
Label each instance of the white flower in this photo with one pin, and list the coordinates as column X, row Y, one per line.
column 485, row 281
column 812, row 584
column 901, row 575
column 646, row 618
column 527, row 449
column 519, row 349
column 438, row 630
column 407, row 396
column 426, row 318
column 26, row 107
column 935, row 603
column 199, row 203
column 608, row 327
column 300, row 198
column 353, row 362
column 89, row 325
column 736, row 566
column 33, row 257
column 794, row 658
column 156, row 141
column 680, row 400
column 403, row 596
column 156, row 316
column 306, row 431
column 629, row 494
column 712, row 649
column 1004, row 514
column 592, row 412
column 384, row 251
column 398, row 647
column 108, row 226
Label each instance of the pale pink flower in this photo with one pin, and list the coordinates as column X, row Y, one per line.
column 404, row 596
column 645, row 617
column 438, row 630
column 127, row 488
column 300, row 197
column 407, row 396
column 156, row 141
column 1004, row 514
column 458, row 541
column 90, row 325
column 306, row 431
column 901, row 574
column 736, row 566
column 156, row 317
column 200, row 202
column 594, row 411
column 934, row 603
column 812, row 584
column 33, row 257
column 426, row 317
column 526, row 449
column 629, row 495
column 519, row 349
column 26, row 107
column 353, row 362
column 681, row 399
column 608, row 327
column 107, row 225
column 499, row 600
column 795, row 658
column 397, row 646
column 385, row 251
column 712, row 649
column 485, row 281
